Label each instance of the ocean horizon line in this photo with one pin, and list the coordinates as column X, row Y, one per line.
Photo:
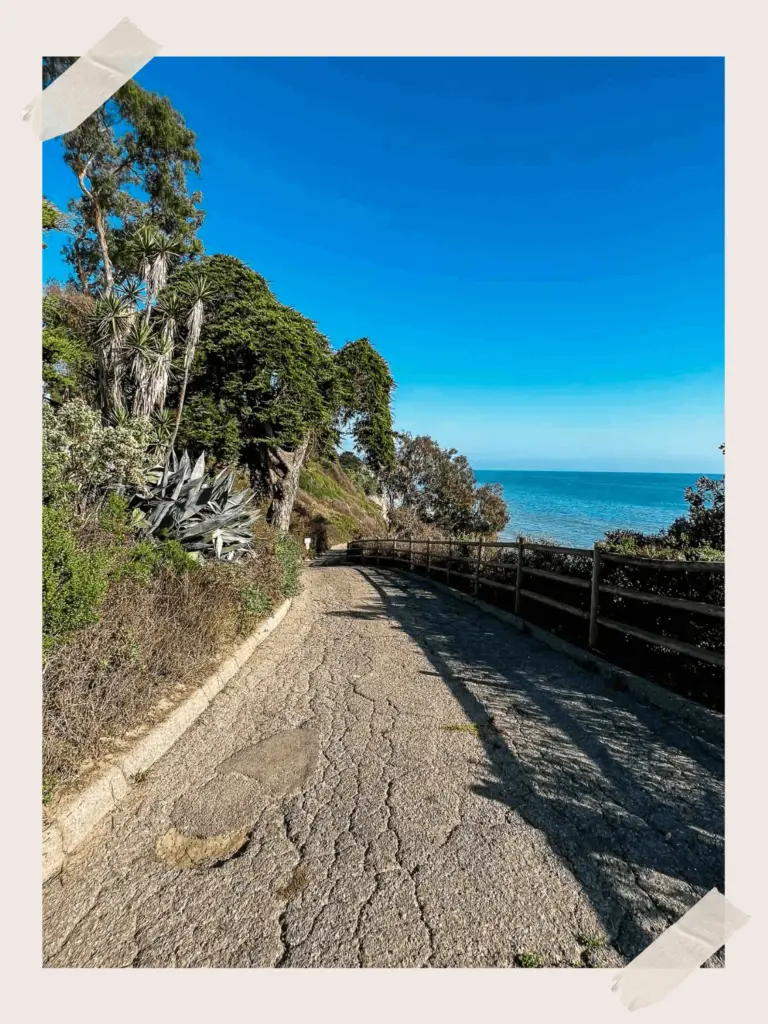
column 600, row 472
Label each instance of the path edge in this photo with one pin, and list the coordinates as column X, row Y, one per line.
column 78, row 816
column 707, row 723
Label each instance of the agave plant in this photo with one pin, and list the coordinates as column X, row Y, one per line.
column 182, row 502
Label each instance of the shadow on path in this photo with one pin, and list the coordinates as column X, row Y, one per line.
column 630, row 800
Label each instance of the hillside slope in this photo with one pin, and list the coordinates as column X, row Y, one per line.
column 330, row 504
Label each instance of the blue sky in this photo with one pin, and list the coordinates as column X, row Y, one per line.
column 535, row 245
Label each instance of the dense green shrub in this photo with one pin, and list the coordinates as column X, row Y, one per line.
column 146, row 559
column 75, row 579
column 255, row 601
column 290, row 555
column 82, row 457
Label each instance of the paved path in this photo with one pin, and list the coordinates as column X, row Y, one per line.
column 436, row 790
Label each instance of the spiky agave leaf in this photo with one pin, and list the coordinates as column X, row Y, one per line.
column 183, row 503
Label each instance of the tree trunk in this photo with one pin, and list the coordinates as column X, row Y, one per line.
column 180, row 407
column 284, row 469
column 101, row 231
column 101, row 226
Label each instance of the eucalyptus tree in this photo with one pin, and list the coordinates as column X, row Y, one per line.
column 130, row 160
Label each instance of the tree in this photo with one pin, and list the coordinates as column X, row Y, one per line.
column 130, row 158
column 704, row 525
column 262, row 387
column 439, row 485
column 51, row 217
column 365, row 392
column 266, row 389
column 68, row 359
column 489, row 512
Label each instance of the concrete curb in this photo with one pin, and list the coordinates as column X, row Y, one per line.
column 706, row 723
column 78, row 816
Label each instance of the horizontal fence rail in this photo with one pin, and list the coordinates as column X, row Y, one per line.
column 501, row 565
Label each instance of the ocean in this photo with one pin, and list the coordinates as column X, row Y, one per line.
column 577, row 508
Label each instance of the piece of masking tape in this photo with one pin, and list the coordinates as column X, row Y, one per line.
column 679, row 951
column 90, row 81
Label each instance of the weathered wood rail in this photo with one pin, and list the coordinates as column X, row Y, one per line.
column 453, row 559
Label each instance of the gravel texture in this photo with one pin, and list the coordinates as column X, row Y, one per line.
column 436, row 789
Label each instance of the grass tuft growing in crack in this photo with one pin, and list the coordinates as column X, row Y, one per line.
column 529, row 960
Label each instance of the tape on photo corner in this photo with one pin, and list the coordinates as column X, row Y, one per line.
column 679, row 951
column 90, row 81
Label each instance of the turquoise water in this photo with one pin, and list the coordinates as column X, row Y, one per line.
column 577, row 508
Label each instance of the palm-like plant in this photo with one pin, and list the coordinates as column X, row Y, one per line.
column 110, row 322
column 135, row 332
column 199, row 293
column 182, row 502
column 155, row 252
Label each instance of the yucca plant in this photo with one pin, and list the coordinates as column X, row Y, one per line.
column 204, row 514
column 200, row 292
column 135, row 331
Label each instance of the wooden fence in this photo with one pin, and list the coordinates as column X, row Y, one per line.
column 501, row 566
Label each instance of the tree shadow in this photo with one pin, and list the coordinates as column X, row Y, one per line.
column 626, row 796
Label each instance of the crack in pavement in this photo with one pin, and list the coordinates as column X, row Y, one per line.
column 563, row 809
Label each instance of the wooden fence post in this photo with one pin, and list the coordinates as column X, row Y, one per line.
column 519, row 577
column 378, row 551
column 429, row 557
column 448, row 564
column 477, row 568
column 594, row 597
column 410, row 553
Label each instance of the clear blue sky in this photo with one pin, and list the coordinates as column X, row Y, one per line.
column 535, row 245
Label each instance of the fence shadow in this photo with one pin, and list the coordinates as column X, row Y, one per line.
column 631, row 801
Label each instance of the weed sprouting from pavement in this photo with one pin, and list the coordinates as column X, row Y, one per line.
column 529, row 960
column 466, row 727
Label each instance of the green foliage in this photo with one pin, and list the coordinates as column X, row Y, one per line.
column 319, row 485
column 704, row 525
column 530, row 960
column 358, row 471
column 115, row 516
column 75, row 579
column 49, row 788
column 697, row 536
column 68, row 359
column 255, row 602
column 263, row 376
column 290, row 555
column 130, row 160
column 51, row 217
column 438, row 485
column 489, row 511
column 365, row 387
column 145, row 560
column 82, row 457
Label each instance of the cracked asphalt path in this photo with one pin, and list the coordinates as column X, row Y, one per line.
column 470, row 795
